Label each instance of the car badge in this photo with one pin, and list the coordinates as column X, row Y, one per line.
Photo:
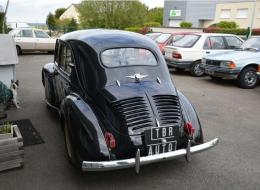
column 138, row 77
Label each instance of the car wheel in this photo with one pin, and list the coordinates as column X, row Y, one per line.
column 18, row 50
column 69, row 145
column 195, row 69
column 248, row 78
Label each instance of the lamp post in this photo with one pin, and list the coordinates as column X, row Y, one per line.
column 6, row 9
column 252, row 19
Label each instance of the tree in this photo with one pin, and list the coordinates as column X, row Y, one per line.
column 111, row 14
column 51, row 21
column 1, row 21
column 155, row 15
column 72, row 26
column 185, row 24
column 59, row 12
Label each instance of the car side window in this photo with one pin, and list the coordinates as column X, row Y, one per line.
column 233, row 42
column 66, row 57
column 207, row 44
column 40, row 34
column 217, row 42
column 27, row 34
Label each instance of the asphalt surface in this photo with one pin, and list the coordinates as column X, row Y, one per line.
column 225, row 111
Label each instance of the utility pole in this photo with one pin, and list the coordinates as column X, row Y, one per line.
column 6, row 9
column 252, row 20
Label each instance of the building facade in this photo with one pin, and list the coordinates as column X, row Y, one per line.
column 203, row 13
column 71, row 13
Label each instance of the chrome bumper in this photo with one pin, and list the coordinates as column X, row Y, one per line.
column 138, row 161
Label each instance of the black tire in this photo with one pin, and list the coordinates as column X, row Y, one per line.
column 195, row 69
column 69, row 146
column 248, row 78
column 50, row 52
column 18, row 50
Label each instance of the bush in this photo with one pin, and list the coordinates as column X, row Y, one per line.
column 185, row 24
column 152, row 24
column 227, row 24
column 137, row 29
column 236, row 31
column 134, row 29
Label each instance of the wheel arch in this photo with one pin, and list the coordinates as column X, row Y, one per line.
column 254, row 65
column 85, row 128
column 190, row 115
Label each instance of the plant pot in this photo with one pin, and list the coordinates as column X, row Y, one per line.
column 7, row 135
column 11, row 150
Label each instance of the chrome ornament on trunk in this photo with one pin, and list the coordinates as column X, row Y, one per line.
column 138, row 77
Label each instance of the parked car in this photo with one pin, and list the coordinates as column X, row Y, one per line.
column 187, row 52
column 168, row 38
column 27, row 39
column 117, row 103
column 241, row 65
column 153, row 35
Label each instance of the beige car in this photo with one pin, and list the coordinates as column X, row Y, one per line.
column 27, row 39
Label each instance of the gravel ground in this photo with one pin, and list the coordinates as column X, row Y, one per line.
column 225, row 111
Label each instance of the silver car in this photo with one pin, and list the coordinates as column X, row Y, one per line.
column 241, row 64
column 28, row 39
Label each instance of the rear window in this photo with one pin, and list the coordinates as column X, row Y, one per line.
column 128, row 57
column 163, row 38
column 186, row 41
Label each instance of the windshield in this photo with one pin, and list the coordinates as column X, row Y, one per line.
column 163, row 38
column 186, row 41
column 153, row 36
column 127, row 57
column 252, row 43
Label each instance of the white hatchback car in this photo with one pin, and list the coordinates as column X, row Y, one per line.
column 27, row 39
column 188, row 51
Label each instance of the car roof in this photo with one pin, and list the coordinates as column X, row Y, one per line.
column 215, row 34
column 95, row 38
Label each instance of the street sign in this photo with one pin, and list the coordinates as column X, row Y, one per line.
column 175, row 13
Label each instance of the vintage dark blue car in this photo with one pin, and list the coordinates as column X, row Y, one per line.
column 117, row 103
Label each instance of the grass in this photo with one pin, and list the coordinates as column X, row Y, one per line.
column 6, row 128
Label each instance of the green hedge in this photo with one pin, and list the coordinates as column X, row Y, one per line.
column 152, row 24
column 134, row 29
column 227, row 24
column 238, row 31
column 185, row 24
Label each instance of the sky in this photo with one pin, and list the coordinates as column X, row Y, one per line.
column 36, row 11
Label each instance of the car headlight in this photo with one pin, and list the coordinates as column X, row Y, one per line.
column 229, row 64
column 203, row 61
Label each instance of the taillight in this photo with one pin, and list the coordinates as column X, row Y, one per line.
column 176, row 55
column 110, row 140
column 258, row 69
column 189, row 130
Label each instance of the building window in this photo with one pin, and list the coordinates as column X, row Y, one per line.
column 225, row 13
column 242, row 13
column 258, row 13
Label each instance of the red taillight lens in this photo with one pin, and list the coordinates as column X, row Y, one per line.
column 188, row 128
column 258, row 68
column 176, row 55
column 110, row 140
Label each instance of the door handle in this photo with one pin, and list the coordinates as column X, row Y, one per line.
column 207, row 52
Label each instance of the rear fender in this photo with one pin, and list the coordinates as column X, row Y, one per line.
column 85, row 129
column 49, row 82
column 190, row 115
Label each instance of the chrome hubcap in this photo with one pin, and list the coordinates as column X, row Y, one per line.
column 250, row 78
column 197, row 69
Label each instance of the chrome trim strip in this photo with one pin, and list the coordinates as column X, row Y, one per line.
column 128, row 163
column 258, row 73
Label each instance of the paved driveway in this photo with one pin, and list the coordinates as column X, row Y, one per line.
column 227, row 112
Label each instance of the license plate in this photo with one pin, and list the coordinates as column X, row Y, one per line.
column 209, row 72
column 161, row 139
column 161, row 148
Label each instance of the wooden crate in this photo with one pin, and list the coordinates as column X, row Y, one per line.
column 11, row 151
